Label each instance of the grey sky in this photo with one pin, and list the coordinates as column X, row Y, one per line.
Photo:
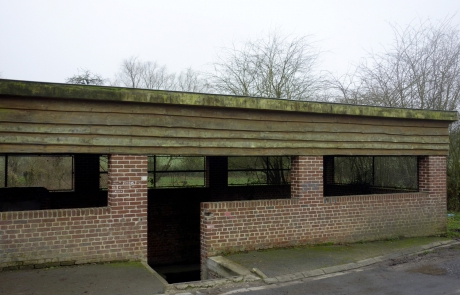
column 44, row 40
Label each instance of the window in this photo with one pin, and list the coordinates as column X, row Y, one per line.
column 176, row 171
column 370, row 175
column 166, row 171
column 353, row 170
column 103, row 169
column 396, row 172
column 53, row 172
column 258, row 170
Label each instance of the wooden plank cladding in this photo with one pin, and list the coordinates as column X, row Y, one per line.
column 89, row 92
column 15, row 148
column 35, row 119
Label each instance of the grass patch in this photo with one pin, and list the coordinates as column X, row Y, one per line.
column 324, row 244
column 393, row 239
column 453, row 225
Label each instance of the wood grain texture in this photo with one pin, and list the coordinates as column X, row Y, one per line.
column 59, row 126
column 64, row 149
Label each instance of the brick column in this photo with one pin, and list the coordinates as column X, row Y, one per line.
column 432, row 178
column 206, row 232
column 127, row 199
column 307, row 178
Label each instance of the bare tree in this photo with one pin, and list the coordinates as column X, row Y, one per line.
column 276, row 66
column 191, row 81
column 130, row 74
column 135, row 73
column 155, row 76
column 453, row 169
column 420, row 70
column 86, row 77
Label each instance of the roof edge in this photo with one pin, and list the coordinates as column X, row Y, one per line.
column 107, row 93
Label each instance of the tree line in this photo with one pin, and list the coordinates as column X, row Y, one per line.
column 419, row 69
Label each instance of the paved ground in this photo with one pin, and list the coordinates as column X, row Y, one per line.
column 292, row 260
column 280, row 265
column 100, row 279
column 427, row 273
column 298, row 264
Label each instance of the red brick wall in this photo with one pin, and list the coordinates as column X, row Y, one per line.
column 307, row 179
column 432, row 178
column 67, row 236
column 174, row 218
column 309, row 218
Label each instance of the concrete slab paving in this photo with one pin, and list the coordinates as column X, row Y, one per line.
column 278, row 262
column 280, row 265
column 101, row 279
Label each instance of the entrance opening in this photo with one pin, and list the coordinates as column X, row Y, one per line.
column 177, row 187
column 179, row 273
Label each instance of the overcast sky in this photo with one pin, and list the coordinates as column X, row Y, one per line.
column 45, row 40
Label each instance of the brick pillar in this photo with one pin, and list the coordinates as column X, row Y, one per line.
column 127, row 199
column 432, row 178
column 206, row 231
column 307, row 178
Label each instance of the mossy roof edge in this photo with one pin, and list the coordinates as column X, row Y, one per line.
column 105, row 93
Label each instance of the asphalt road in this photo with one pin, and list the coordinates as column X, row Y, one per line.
column 430, row 273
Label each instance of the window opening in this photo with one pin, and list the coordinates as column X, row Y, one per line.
column 103, row 171
column 53, row 172
column 371, row 175
column 259, row 170
column 165, row 171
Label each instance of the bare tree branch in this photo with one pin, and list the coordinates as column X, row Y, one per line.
column 275, row 66
column 420, row 70
column 135, row 73
column 86, row 77
column 191, row 81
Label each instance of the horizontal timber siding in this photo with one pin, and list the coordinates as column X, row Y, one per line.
column 58, row 126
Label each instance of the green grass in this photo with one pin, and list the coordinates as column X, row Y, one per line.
column 180, row 181
column 453, row 225
column 198, row 181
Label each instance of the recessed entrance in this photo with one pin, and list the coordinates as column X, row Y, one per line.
column 179, row 273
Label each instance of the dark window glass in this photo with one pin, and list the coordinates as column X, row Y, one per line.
column 53, row 172
column 258, row 170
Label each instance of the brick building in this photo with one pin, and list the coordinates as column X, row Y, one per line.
column 121, row 144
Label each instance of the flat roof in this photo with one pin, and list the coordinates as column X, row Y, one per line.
column 121, row 94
